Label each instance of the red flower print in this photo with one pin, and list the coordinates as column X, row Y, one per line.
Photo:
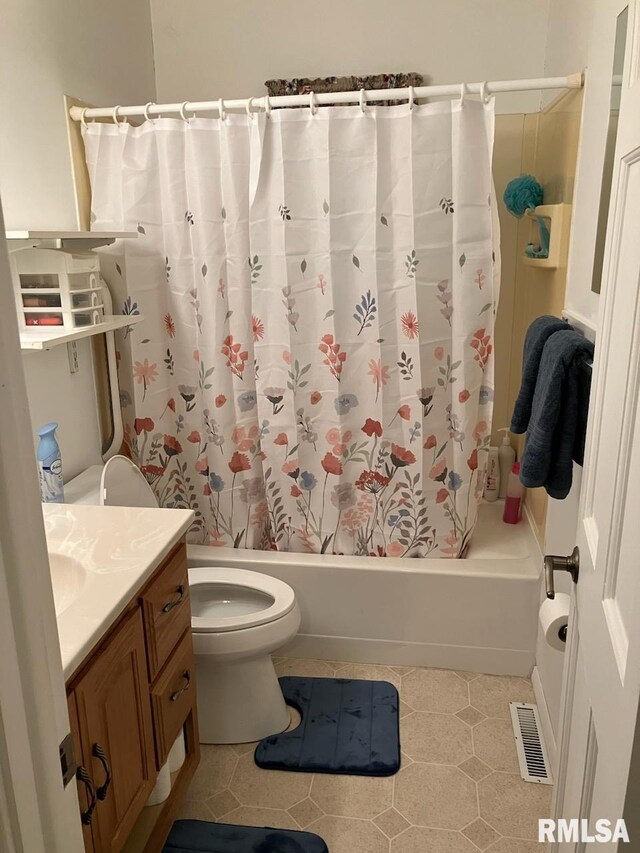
column 463, row 396
column 257, row 327
column 142, row 425
column 281, row 439
column 171, row 445
column 202, row 466
column 291, row 468
column 410, row 325
column 438, row 472
column 295, row 491
column 169, row 325
column 171, row 405
column 439, row 353
column 152, row 471
column 331, row 464
column 479, row 430
column 315, row 398
column 442, row 495
column 334, row 358
column 405, row 412
column 206, row 490
column 194, row 437
column 144, row 373
column 430, row 443
column 220, row 401
column 235, row 355
column 371, row 481
column 239, row 462
column 481, row 342
column 401, row 457
column 372, row 427
column 472, row 461
column 286, row 356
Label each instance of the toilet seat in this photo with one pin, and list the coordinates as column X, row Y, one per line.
column 263, row 598
column 122, row 484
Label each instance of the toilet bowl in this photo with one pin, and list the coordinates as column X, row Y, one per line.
column 238, row 619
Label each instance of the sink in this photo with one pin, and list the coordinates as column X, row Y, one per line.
column 68, row 576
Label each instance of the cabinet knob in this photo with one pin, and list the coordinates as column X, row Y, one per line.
column 82, row 776
column 99, row 753
column 178, row 693
column 176, row 601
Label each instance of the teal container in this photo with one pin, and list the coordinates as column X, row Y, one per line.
column 50, row 465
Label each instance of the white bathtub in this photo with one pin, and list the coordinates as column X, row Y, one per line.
column 477, row 614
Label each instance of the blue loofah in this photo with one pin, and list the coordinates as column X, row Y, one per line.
column 522, row 193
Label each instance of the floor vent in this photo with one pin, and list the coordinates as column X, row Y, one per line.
column 532, row 755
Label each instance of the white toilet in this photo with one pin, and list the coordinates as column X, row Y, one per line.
column 238, row 619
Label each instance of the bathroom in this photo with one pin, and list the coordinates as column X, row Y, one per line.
column 267, row 419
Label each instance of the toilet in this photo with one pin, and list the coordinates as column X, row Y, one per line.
column 238, row 619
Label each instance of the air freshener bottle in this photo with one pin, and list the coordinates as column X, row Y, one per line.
column 50, row 465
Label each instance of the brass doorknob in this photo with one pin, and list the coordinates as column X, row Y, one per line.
column 553, row 564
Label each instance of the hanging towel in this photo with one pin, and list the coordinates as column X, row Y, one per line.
column 558, row 422
column 537, row 335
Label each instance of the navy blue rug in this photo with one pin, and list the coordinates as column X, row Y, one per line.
column 199, row 836
column 348, row 726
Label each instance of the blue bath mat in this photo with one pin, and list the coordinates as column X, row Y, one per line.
column 348, row 726
column 200, row 836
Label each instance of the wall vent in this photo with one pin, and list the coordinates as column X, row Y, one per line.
column 532, row 754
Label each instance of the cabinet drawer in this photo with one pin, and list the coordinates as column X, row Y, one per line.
column 173, row 696
column 166, row 609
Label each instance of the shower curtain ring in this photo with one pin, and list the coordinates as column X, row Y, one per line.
column 363, row 100
column 248, row 107
column 267, row 106
column 484, row 96
column 412, row 96
column 83, row 117
column 183, row 113
column 463, row 93
column 312, row 103
column 221, row 109
column 145, row 111
column 114, row 116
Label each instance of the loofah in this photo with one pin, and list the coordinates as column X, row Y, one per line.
column 522, row 193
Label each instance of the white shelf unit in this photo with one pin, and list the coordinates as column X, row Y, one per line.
column 70, row 241
column 42, row 338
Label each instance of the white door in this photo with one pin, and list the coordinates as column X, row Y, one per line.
column 602, row 671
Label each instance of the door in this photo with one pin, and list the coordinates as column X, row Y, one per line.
column 602, row 671
column 114, row 715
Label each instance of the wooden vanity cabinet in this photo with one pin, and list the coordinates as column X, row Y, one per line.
column 127, row 704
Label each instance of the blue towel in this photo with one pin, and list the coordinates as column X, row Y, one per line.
column 537, row 335
column 557, row 426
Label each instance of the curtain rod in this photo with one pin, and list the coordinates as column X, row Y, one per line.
column 264, row 104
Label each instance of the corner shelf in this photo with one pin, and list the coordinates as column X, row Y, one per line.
column 45, row 338
column 70, row 241
column 558, row 219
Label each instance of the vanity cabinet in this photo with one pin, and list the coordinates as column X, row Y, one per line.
column 128, row 702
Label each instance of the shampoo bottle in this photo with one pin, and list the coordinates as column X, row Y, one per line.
column 515, row 496
column 50, row 465
column 506, row 458
column 492, row 482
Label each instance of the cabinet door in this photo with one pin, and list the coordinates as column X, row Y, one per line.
column 86, row 788
column 116, row 732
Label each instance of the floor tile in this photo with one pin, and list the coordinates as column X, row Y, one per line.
column 391, row 823
column 435, row 690
column 274, row 789
column 513, row 806
column 470, row 715
column 437, row 738
column 251, row 816
column 419, row 840
column 222, row 803
column 214, row 772
column 467, row 676
column 194, row 810
column 436, row 796
column 352, row 796
column 347, row 835
column 495, row 744
column 305, row 812
column 369, row 671
column 405, row 710
column 515, row 845
column 480, row 833
column 403, row 670
column 475, row 768
column 304, row 667
column 491, row 694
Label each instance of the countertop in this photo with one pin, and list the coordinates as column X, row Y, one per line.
column 118, row 549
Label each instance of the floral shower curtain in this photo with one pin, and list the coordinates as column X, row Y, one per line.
column 314, row 371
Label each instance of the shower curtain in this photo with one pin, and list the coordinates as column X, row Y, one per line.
column 314, row 371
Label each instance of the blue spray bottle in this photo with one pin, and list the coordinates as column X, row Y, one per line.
column 50, row 465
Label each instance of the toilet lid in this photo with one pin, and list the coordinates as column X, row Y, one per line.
column 227, row 599
column 122, row 484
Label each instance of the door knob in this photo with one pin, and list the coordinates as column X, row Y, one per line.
column 553, row 564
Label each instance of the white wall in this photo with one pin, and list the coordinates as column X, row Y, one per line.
column 100, row 52
column 207, row 50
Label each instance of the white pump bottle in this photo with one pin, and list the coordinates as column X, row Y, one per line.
column 506, row 458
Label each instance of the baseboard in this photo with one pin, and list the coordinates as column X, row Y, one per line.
column 397, row 653
column 545, row 719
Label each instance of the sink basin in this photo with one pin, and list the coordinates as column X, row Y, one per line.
column 68, row 576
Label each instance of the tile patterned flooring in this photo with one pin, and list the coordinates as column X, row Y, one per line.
column 458, row 790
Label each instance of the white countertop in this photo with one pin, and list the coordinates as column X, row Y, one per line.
column 101, row 557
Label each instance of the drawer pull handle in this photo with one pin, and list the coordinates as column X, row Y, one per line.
column 171, row 604
column 82, row 776
column 99, row 753
column 178, row 693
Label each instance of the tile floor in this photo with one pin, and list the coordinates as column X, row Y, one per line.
column 458, row 790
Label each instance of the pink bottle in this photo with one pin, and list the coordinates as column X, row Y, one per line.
column 515, row 497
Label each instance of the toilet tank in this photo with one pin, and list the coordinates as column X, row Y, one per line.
column 85, row 488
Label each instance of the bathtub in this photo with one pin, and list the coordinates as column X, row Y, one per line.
column 477, row 614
